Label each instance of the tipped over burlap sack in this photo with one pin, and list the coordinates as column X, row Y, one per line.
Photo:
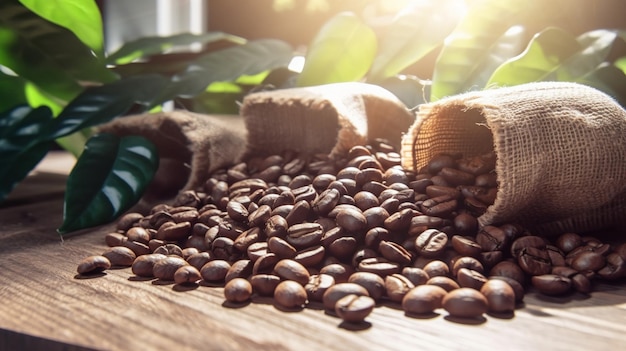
column 329, row 118
column 560, row 147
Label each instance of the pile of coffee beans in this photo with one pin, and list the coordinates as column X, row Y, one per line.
column 352, row 232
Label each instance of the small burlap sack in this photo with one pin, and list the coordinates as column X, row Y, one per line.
column 190, row 146
column 328, row 118
column 560, row 147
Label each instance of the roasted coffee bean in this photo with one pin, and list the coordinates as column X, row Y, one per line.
column 238, row 290
column 115, row 239
column 215, row 271
column 223, row 248
column 337, row 291
column 93, row 264
column 581, row 283
column 534, row 261
column 491, row 258
column 465, row 223
column 354, row 308
column 169, row 249
column 143, row 266
column 440, row 161
column 137, row 247
column 305, row 193
column 138, row 234
column 396, row 286
column 556, row 256
column 187, row 275
column 526, row 241
column 310, row 256
column 518, row 289
column 351, row 219
column 128, row 220
column 615, row 267
column 375, row 216
column 475, row 164
column 299, row 181
column 431, row 243
column 423, row 299
column 173, row 231
column 551, row 284
column 373, row 283
column 264, row 284
column 276, row 226
column 290, row 294
column 379, row 265
column 417, row 276
column 456, row 177
column 509, row 269
column 247, row 238
column 568, row 242
column 281, row 248
column 304, row 235
column 239, row 269
column 188, row 251
column 165, row 268
column 446, row 283
column 317, row 286
column 500, row 296
column 199, row 259
column 291, row 270
column 394, row 252
column 237, row 211
column 400, row 220
column 365, row 200
column 339, row 271
column 120, row 256
column 465, row 246
column 436, row 268
column 492, row 238
column 467, row 262
column 465, row 303
column 588, row 261
column 469, row 278
column 487, row 180
column 440, row 206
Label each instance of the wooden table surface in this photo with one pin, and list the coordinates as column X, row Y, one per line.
column 46, row 306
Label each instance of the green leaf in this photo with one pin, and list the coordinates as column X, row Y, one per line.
column 609, row 79
column 343, row 50
column 414, row 32
column 36, row 97
column 46, row 54
column 621, row 63
column 146, row 46
column 12, row 89
column 82, row 17
column 411, row 90
column 109, row 177
column 466, row 55
column 543, row 55
column 20, row 147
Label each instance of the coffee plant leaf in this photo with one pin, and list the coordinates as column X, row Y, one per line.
column 543, row 55
column 414, row 32
column 608, row 79
column 152, row 45
column 12, row 89
column 20, row 146
column 79, row 16
column 109, row 177
column 46, row 54
column 476, row 47
column 343, row 50
column 411, row 90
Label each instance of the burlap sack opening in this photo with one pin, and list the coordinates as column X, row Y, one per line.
column 560, row 147
column 327, row 119
column 190, row 146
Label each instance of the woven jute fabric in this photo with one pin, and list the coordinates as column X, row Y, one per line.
column 190, row 146
column 560, row 147
column 327, row 119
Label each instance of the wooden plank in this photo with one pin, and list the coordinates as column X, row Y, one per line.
column 47, row 306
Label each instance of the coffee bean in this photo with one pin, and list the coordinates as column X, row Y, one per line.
column 264, row 284
column 120, row 256
column 615, row 267
column 354, row 308
column 337, row 291
column 114, row 239
column 317, row 286
column 396, row 286
column 128, row 220
column 518, row 289
column 417, row 276
column 465, row 245
column 93, row 264
column 440, row 206
column 199, row 259
column 379, row 265
column 238, row 290
column 588, row 261
column 138, row 234
column 304, row 235
column 292, row 270
column 400, row 220
column 526, row 241
column 137, row 247
column 467, row 262
column 492, row 238
column 373, row 283
column 169, row 249
column 165, row 268
column 351, row 219
column 187, row 275
column 394, row 252
column 339, row 271
column 500, row 296
column 143, row 266
column 581, row 283
column 551, row 284
column 436, row 268
column 469, row 278
column 534, row 261
column 465, row 303
column 423, row 299
column 215, row 271
column 365, row 200
column 456, row 177
column 172, row 231
column 239, row 269
column 310, row 256
column 440, row 161
column 290, row 294
column 446, row 283
column 276, row 226
column 431, row 243
column 568, row 242
column 509, row 269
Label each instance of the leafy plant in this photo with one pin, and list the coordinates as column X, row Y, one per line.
column 59, row 83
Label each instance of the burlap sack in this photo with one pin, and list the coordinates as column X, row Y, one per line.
column 560, row 147
column 190, row 146
column 328, row 118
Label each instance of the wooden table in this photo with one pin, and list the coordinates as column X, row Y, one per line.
column 46, row 306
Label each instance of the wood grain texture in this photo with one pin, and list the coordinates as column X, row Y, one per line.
column 45, row 305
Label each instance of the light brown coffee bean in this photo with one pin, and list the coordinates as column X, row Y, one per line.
column 215, row 270
column 290, row 294
column 551, row 284
column 354, row 308
column 165, row 268
column 431, row 243
column 500, row 296
column 465, row 303
column 291, row 270
column 93, row 264
column 396, row 286
column 143, row 266
column 120, row 256
column 238, row 290
column 264, row 284
column 423, row 299
column 187, row 275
